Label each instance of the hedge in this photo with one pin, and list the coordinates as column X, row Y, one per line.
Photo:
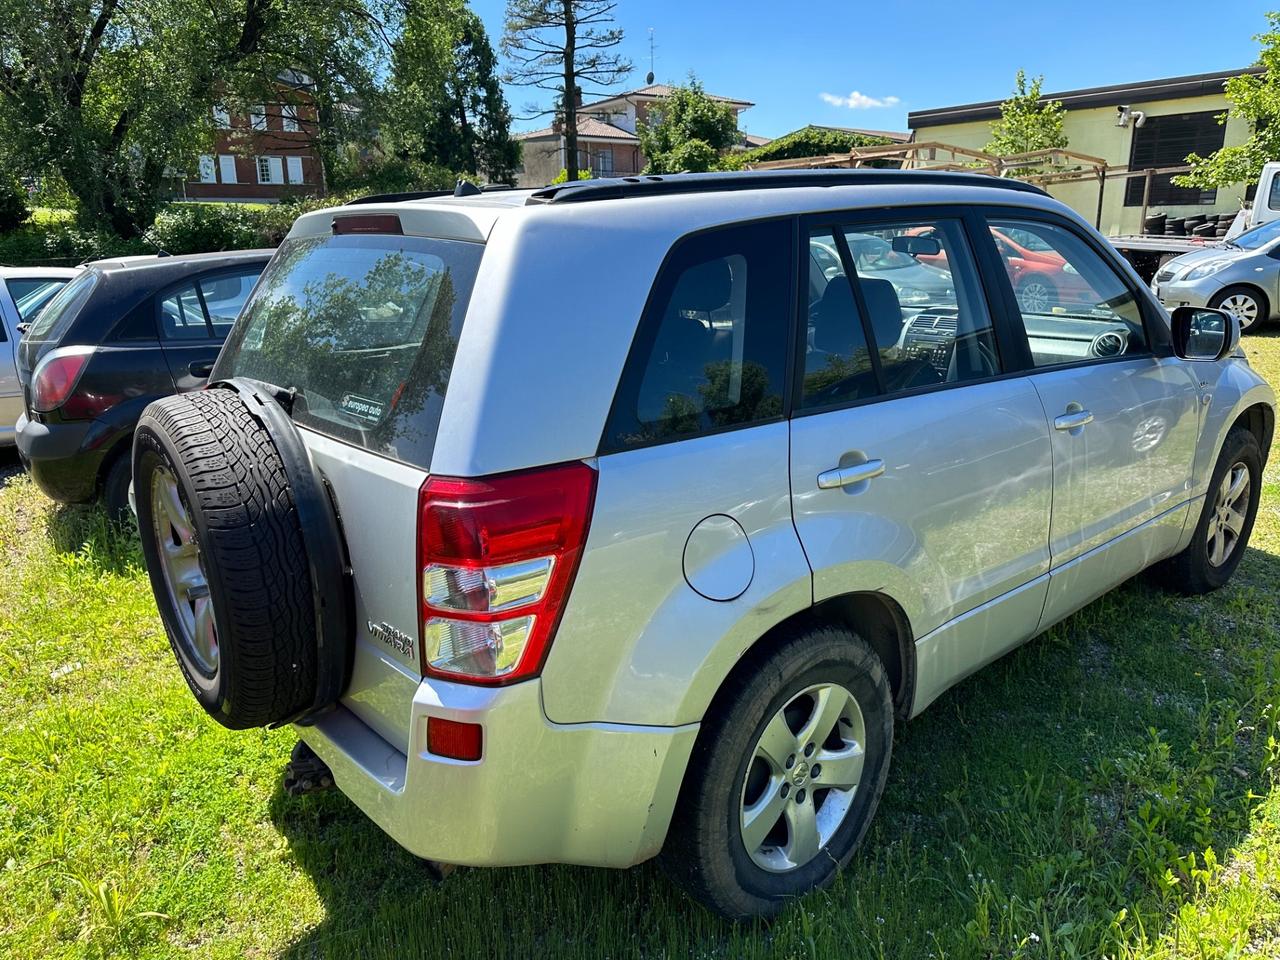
column 179, row 228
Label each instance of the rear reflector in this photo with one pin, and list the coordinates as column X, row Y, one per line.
column 367, row 223
column 457, row 741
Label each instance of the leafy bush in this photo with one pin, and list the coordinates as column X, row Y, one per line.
column 13, row 204
column 200, row 227
column 807, row 142
column 63, row 243
column 563, row 176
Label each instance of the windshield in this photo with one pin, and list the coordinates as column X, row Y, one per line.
column 1257, row 237
column 364, row 327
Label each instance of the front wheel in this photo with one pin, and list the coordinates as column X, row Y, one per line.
column 785, row 777
column 1248, row 306
column 1226, row 520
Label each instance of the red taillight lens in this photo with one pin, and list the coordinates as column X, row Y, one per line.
column 54, row 380
column 458, row 741
column 496, row 559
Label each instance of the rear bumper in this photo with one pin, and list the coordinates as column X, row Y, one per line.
column 596, row 794
column 55, row 456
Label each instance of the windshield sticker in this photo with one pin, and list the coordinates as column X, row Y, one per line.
column 362, row 408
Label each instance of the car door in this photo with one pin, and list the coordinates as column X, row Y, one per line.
column 920, row 459
column 194, row 318
column 10, row 388
column 1125, row 420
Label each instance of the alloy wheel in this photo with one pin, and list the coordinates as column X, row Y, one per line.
column 802, row 777
column 1230, row 508
column 1034, row 297
column 183, row 569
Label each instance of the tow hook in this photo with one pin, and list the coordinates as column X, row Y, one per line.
column 306, row 772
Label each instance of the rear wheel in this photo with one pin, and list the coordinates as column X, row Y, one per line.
column 115, row 489
column 1247, row 305
column 785, row 777
column 1222, row 533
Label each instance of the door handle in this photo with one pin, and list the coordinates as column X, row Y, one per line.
column 1070, row 421
column 200, row 368
column 845, row 476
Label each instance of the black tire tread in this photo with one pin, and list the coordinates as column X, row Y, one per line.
column 254, row 553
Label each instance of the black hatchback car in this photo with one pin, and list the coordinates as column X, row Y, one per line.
column 121, row 334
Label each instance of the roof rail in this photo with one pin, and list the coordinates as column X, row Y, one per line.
column 615, row 188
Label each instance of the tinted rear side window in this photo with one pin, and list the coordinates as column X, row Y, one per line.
column 711, row 350
column 364, row 327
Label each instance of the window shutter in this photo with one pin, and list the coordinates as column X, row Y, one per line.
column 1166, row 141
column 276, row 166
column 295, row 169
column 206, row 169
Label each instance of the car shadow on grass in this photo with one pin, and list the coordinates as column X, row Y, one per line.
column 1040, row 797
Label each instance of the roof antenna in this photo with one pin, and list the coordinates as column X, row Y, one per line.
column 649, row 79
column 147, row 237
column 466, row 188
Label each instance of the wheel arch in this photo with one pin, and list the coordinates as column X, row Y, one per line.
column 1260, row 420
column 1264, row 297
column 875, row 616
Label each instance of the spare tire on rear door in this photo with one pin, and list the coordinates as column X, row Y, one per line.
column 244, row 553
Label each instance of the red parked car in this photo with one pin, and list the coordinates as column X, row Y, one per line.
column 1042, row 279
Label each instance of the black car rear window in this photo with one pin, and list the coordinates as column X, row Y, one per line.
column 364, row 327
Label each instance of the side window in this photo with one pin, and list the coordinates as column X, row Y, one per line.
column 182, row 316
column 224, row 296
column 837, row 362
column 1074, row 306
column 925, row 312
column 711, row 350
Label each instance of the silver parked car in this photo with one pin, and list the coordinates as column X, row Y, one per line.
column 628, row 517
column 1240, row 276
column 23, row 293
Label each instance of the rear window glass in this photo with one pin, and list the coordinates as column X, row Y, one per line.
column 364, row 327
column 53, row 320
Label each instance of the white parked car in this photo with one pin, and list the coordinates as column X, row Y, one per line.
column 23, row 293
column 628, row 517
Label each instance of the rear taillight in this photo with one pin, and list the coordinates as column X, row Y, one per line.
column 56, row 377
column 496, row 559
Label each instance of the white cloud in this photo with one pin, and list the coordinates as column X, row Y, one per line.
column 859, row 101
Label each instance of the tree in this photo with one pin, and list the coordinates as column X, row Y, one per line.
column 808, row 141
column 687, row 131
column 116, row 95
column 567, row 46
column 445, row 105
column 1256, row 99
column 1026, row 122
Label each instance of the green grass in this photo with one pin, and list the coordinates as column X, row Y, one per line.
column 1108, row 789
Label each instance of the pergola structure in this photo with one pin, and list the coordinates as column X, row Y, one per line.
column 1041, row 167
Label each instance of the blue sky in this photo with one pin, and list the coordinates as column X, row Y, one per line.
column 876, row 61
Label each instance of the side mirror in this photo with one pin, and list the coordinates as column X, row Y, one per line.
column 917, row 246
column 1201, row 333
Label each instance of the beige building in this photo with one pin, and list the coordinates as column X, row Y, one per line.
column 607, row 141
column 1166, row 120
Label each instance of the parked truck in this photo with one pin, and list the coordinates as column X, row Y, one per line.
column 1149, row 252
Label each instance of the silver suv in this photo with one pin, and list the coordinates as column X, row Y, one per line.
column 627, row 517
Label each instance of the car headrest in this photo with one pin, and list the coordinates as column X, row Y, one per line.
column 836, row 327
column 704, row 287
column 885, row 309
column 682, row 341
